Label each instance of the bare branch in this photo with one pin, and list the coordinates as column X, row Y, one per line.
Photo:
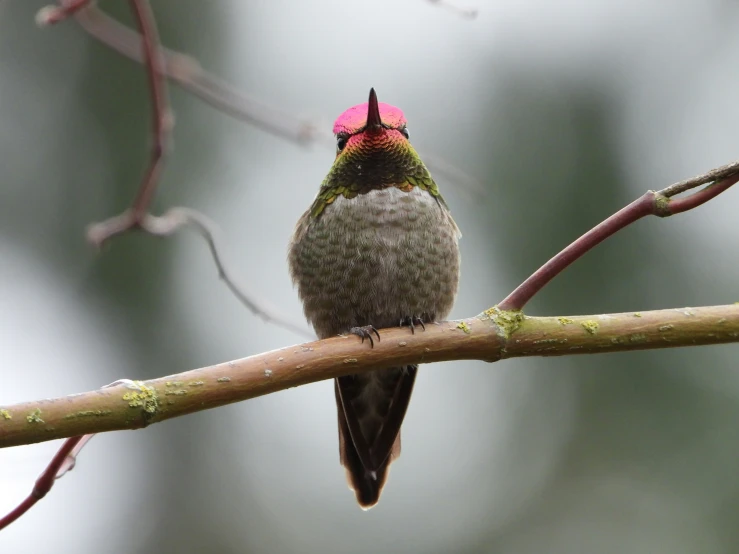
column 62, row 462
column 161, row 127
column 50, row 15
column 187, row 72
column 714, row 175
column 651, row 203
column 491, row 336
column 176, row 218
column 161, row 63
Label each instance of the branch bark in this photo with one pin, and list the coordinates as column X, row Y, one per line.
column 493, row 335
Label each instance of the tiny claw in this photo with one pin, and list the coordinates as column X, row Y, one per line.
column 366, row 333
column 412, row 321
column 408, row 322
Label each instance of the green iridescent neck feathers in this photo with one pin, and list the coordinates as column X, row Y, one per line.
column 373, row 152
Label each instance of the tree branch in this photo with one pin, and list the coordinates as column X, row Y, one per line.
column 658, row 203
column 132, row 218
column 62, row 462
column 160, row 64
column 176, row 218
column 188, row 73
column 491, row 336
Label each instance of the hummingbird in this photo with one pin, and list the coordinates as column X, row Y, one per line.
column 377, row 248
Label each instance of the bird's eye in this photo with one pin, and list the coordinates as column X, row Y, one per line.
column 340, row 143
column 405, row 133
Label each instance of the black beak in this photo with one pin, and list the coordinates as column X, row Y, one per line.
column 373, row 112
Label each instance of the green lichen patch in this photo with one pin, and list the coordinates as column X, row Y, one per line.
column 565, row 321
column 223, row 380
column 662, row 205
column 591, row 326
column 146, row 398
column 637, row 314
column 508, row 321
column 179, row 392
column 5, row 414
column 196, row 383
column 463, row 325
column 634, row 338
column 174, row 384
column 665, row 328
column 35, row 417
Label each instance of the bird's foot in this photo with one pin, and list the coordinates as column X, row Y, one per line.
column 411, row 321
column 366, row 333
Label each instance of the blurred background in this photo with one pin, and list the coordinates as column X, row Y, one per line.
column 564, row 112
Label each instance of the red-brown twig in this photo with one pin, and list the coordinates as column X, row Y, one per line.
column 658, row 203
column 187, row 72
column 62, row 462
column 161, row 63
column 132, row 218
column 175, row 219
column 161, row 114
column 54, row 14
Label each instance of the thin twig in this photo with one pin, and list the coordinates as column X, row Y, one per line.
column 132, row 218
column 187, row 72
column 62, row 462
column 714, row 175
column 50, row 15
column 176, row 218
column 161, row 114
column 172, row 221
column 651, row 203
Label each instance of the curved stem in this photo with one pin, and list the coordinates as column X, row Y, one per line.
column 658, row 203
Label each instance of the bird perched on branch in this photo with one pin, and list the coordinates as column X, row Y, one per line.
column 377, row 248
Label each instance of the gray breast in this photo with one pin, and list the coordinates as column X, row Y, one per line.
column 374, row 259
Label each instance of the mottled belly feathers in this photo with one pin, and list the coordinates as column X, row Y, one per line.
column 375, row 259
